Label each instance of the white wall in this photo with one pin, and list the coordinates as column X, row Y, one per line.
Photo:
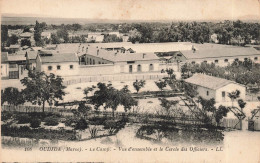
column 102, row 69
column 4, row 70
column 228, row 89
column 202, row 91
column 64, row 70
column 221, row 61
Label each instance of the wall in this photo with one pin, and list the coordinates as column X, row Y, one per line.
column 64, row 70
column 228, row 89
column 97, row 60
column 221, row 61
column 4, row 70
column 123, row 67
column 202, row 91
column 86, row 70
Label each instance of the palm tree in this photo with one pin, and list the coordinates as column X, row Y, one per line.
column 233, row 96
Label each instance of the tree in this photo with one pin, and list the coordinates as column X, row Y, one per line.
column 25, row 42
column 170, row 73
column 13, row 40
column 63, row 34
column 54, row 39
column 12, row 96
column 4, row 33
column 83, row 109
column 189, row 89
column 233, row 96
column 208, row 106
column 37, row 34
column 109, row 97
column 88, row 90
column 161, row 84
column 167, row 104
column 138, row 84
column 26, row 29
column 220, row 113
column 42, row 88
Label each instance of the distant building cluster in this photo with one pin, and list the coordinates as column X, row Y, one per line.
column 83, row 59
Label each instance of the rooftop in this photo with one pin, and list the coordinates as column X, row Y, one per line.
column 14, row 46
column 120, row 57
column 58, row 57
column 220, row 52
column 26, row 34
column 210, row 82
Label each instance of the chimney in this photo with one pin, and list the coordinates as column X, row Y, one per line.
column 98, row 52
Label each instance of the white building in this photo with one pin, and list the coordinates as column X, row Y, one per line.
column 219, row 56
column 59, row 63
column 97, row 37
column 46, row 35
column 4, row 65
column 212, row 87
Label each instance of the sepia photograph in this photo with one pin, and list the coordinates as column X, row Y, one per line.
column 130, row 81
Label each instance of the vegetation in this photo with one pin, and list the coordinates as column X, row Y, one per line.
column 51, row 121
column 42, row 88
column 35, row 123
column 161, row 84
column 138, row 84
column 109, row 97
column 12, row 96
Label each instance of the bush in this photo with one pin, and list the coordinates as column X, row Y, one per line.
column 6, row 115
column 35, row 123
column 98, row 120
column 69, row 121
column 81, row 124
column 51, row 121
column 23, row 118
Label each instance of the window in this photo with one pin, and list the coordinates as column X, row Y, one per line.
column 236, row 59
column 245, row 59
column 256, row 58
column 58, row 67
column 71, row 66
column 193, row 62
column 216, row 61
column 226, row 60
column 139, row 68
column 207, row 93
column 223, row 94
column 99, row 62
column 151, row 67
column 130, row 68
column 93, row 61
column 49, row 68
column 205, row 61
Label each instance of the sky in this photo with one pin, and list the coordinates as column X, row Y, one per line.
column 136, row 9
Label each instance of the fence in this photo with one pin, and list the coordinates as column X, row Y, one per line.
column 231, row 123
column 23, row 108
column 128, row 77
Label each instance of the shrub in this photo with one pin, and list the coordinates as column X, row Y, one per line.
column 51, row 121
column 35, row 123
column 6, row 115
column 70, row 120
column 23, row 118
column 81, row 124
